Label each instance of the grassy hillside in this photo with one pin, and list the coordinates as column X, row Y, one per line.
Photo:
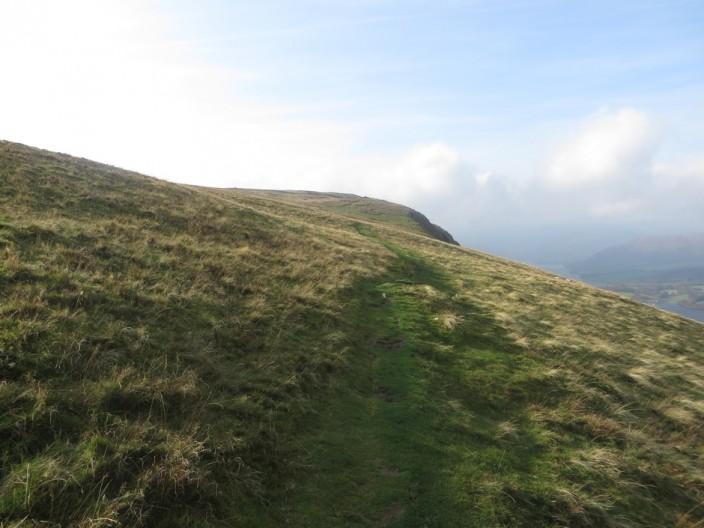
column 179, row 356
column 364, row 208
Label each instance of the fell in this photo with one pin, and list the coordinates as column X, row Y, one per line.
column 180, row 356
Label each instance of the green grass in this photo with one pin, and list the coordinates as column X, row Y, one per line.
column 180, row 356
column 447, row 422
column 364, row 208
column 421, row 444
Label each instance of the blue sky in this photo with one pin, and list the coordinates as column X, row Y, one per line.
column 492, row 117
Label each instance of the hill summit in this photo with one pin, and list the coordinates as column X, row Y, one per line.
column 366, row 208
column 173, row 355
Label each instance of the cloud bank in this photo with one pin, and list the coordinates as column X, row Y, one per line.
column 609, row 151
column 601, row 172
column 605, row 169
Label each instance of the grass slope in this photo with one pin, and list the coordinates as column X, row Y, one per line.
column 364, row 208
column 179, row 356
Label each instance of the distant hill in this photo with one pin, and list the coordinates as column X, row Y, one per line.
column 655, row 259
column 178, row 356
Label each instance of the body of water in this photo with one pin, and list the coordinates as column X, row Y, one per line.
column 697, row 315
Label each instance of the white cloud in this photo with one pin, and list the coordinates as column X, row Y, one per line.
column 675, row 196
column 610, row 150
column 106, row 80
column 424, row 172
column 690, row 172
column 482, row 178
column 613, row 209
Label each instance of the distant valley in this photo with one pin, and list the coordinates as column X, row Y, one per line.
column 665, row 271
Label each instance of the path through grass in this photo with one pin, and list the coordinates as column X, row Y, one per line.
column 408, row 439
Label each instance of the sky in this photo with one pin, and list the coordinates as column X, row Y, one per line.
column 531, row 129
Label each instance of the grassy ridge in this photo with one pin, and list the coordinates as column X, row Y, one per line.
column 178, row 356
column 364, row 208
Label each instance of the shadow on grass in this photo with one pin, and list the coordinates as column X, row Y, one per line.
column 430, row 427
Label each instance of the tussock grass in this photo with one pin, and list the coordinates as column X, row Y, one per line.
column 180, row 356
